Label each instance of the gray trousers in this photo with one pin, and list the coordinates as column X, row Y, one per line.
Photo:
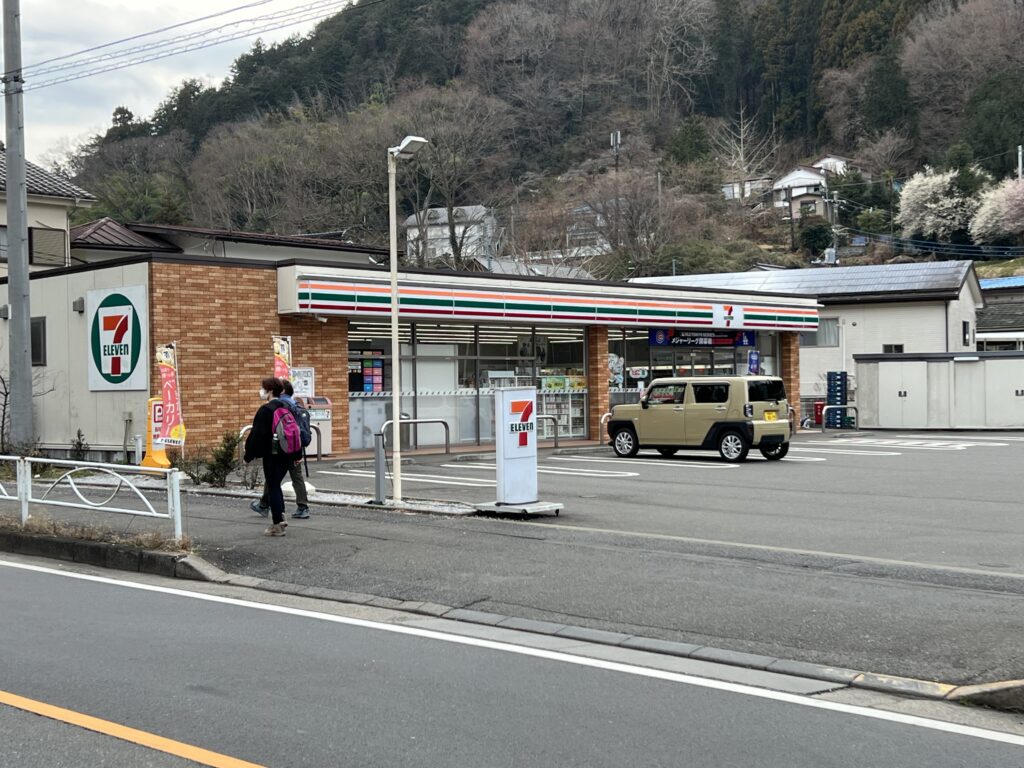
column 298, row 484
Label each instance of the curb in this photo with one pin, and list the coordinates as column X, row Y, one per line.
column 104, row 555
column 423, row 510
column 1006, row 695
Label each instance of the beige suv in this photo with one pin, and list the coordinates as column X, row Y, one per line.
column 730, row 414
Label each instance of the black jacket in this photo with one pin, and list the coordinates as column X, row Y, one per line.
column 260, row 441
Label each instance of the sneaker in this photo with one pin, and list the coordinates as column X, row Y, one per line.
column 259, row 509
column 302, row 513
column 277, row 529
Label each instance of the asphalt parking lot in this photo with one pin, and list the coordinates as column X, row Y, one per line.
column 951, row 500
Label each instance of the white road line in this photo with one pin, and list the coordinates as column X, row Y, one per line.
column 804, row 458
column 611, row 666
column 845, row 452
column 470, row 482
column 610, row 473
column 664, row 463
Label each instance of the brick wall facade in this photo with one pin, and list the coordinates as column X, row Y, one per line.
column 789, row 365
column 597, row 379
column 222, row 318
column 324, row 346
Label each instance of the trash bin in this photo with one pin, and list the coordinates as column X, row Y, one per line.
column 819, row 407
column 321, row 415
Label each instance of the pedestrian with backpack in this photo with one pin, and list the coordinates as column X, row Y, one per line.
column 274, row 438
column 301, row 415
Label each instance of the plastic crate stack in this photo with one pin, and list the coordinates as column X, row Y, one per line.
column 838, row 392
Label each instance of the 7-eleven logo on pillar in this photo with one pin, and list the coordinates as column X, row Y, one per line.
column 524, row 410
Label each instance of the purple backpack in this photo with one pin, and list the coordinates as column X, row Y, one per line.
column 287, row 435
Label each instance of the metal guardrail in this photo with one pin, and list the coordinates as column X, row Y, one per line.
column 380, row 460
column 245, row 430
column 553, row 420
column 442, row 422
column 827, row 408
column 25, row 489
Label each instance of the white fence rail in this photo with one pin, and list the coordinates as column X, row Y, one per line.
column 27, row 486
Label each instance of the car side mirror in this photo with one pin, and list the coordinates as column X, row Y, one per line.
column 644, row 404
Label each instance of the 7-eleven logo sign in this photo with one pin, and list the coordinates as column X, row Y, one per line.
column 116, row 338
column 524, row 410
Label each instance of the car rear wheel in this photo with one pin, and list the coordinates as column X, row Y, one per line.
column 775, row 452
column 732, row 446
column 625, row 443
column 666, row 452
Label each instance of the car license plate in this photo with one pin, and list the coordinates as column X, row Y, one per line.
column 771, row 416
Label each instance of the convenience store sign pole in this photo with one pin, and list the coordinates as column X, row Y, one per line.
column 515, row 418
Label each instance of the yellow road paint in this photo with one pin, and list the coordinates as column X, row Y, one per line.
column 142, row 738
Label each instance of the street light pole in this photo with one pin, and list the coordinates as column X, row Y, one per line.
column 410, row 146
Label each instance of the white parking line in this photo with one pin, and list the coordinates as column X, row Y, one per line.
column 651, row 463
column 804, row 458
column 845, row 452
column 469, row 482
column 972, row 438
column 578, row 472
column 918, row 445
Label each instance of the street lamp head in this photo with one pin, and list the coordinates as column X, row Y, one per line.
column 410, row 146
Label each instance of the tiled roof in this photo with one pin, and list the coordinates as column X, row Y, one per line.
column 932, row 277
column 1004, row 316
column 43, row 183
column 107, row 234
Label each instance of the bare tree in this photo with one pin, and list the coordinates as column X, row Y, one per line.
column 884, row 153
column 468, row 138
column 952, row 48
column 742, row 150
column 677, row 49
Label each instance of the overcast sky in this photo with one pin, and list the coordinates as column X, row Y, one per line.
column 60, row 115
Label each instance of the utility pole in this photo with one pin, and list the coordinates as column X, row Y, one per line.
column 22, row 432
column 616, row 141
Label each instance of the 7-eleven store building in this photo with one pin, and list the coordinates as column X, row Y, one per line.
column 584, row 345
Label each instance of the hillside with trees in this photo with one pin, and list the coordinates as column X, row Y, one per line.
column 518, row 98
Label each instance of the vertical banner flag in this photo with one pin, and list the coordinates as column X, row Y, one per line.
column 172, row 426
column 282, row 357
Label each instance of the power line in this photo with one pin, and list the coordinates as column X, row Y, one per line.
column 282, row 16
column 146, row 34
column 312, row 12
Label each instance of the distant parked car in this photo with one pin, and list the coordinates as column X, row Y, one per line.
column 730, row 414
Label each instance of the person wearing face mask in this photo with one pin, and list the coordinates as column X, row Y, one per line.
column 260, row 445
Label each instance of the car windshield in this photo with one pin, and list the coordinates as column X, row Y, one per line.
column 765, row 390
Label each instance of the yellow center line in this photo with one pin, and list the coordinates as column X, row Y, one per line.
column 142, row 738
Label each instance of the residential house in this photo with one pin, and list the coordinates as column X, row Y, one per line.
column 1001, row 322
column 747, row 190
column 51, row 201
column 428, row 235
column 801, row 192
column 887, row 308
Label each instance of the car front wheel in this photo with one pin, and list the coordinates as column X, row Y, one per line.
column 625, row 443
column 775, row 452
column 732, row 446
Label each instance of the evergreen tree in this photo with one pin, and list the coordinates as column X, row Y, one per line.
column 994, row 122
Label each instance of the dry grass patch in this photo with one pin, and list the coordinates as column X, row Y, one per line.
column 46, row 526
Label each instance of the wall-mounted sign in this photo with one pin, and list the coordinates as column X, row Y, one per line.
column 282, row 356
column 671, row 337
column 753, row 362
column 118, row 324
column 638, row 373
column 304, row 382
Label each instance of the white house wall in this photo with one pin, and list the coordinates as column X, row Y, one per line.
column 67, row 404
column 863, row 329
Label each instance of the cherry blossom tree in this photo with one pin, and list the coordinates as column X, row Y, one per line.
column 1000, row 213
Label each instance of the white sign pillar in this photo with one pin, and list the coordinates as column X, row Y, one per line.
column 515, row 422
column 516, row 417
